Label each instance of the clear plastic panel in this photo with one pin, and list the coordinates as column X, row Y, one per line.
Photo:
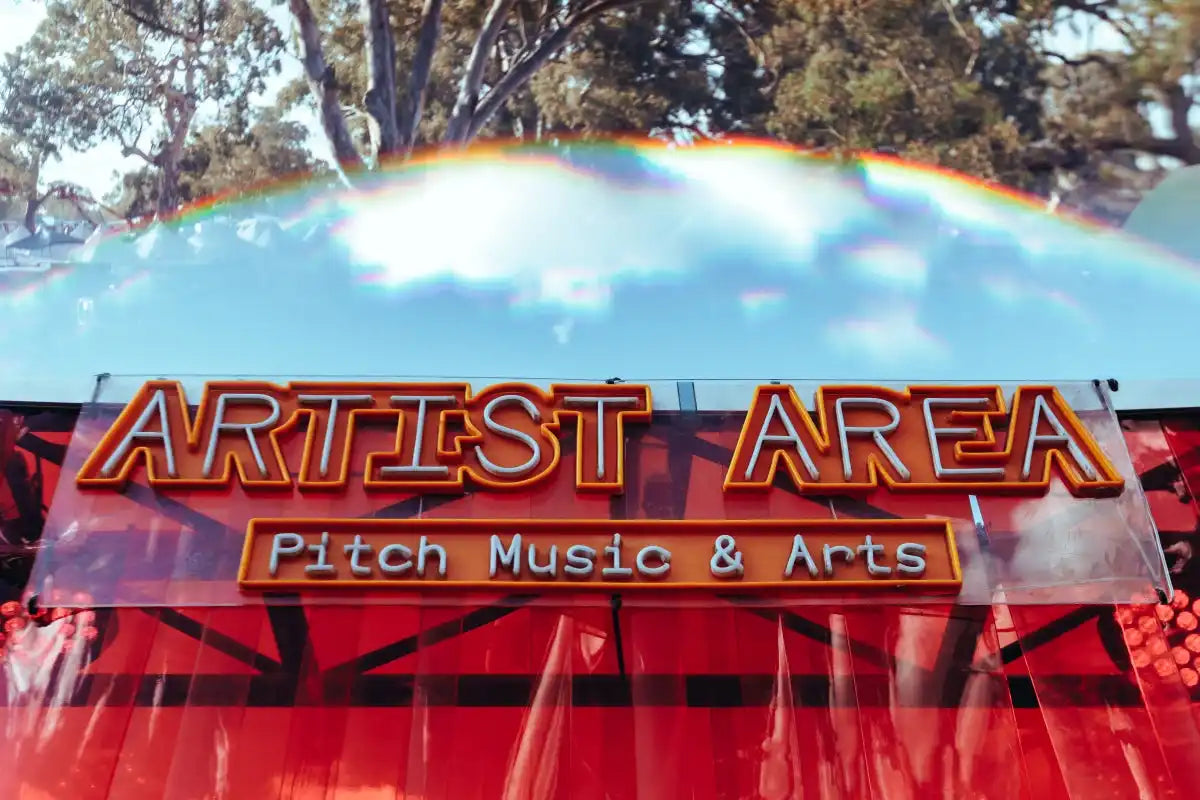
column 667, row 262
column 147, row 547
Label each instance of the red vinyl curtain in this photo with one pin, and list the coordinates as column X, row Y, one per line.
column 512, row 699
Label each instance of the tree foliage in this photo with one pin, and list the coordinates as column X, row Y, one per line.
column 143, row 70
column 225, row 160
column 40, row 116
column 1118, row 116
column 906, row 75
column 1014, row 91
column 645, row 72
column 1003, row 90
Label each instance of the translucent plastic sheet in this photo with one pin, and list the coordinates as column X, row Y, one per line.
column 707, row 261
column 143, row 547
column 520, row 700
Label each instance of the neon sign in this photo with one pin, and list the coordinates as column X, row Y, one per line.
column 508, row 436
column 318, row 438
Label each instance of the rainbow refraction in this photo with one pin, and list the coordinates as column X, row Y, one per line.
column 597, row 260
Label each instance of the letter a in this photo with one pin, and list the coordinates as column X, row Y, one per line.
column 1041, row 410
column 110, row 462
column 742, row 470
column 800, row 552
column 1082, row 464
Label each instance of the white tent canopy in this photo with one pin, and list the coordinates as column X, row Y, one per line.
column 215, row 239
column 102, row 239
column 15, row 235
column 1170, row 215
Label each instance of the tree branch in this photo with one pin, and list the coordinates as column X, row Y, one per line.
column 760, row 55
column 1180, row 106
column 528, row 65
column 131, row 149
column 1102, row 10
column 322, row 82
column 1185, row 151
column 1088, row 58
column 380, row 99
column 418, row 77
column 1046, row 156
column 38, row 200
column 1099, row 8
column 695, row 129
column 10, row 159
column 459, row 127
column 972, row 43
column 158, row 25
column 77, row 200
column 525, row 26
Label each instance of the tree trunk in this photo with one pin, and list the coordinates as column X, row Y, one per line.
column 322, row 82
column 1180, row 104
column 380, row 99
column 168, row 188
column 418, row 78
column 179, row 112
column 168, row 166
column 32, row 201
column 459, row 128
column 32, row 204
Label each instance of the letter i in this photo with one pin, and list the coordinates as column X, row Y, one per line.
column 322, row 567
column 614, row 550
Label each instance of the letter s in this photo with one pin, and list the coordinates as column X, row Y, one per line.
column 580, row 560
column 911, row 558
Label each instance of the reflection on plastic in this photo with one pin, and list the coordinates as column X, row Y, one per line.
column 519, row 700
column 638, row 258
column 523, row 701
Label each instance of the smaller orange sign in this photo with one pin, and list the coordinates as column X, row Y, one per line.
column 600, row 554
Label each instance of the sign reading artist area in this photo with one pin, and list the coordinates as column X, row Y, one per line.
column 385, row 487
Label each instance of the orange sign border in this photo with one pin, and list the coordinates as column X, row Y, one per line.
column 590, row 526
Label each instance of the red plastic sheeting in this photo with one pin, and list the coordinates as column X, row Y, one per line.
column 521, row 702
column 514, row 701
